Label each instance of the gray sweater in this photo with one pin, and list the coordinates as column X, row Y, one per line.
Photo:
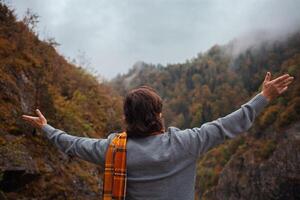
column 163, row 166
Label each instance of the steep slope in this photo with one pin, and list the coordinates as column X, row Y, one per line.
column 214, row 84
column 33, row 75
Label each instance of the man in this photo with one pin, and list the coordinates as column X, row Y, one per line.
column 162, row 164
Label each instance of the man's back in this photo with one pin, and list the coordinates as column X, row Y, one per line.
column 159, row 167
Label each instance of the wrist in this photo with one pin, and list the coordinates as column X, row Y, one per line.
column 266, row 96
column 47, row 128
column 42, row 125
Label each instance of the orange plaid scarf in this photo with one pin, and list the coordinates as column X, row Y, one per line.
column 114, row 186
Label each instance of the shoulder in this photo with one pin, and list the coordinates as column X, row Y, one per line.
column 172, row 130
column 177, row 134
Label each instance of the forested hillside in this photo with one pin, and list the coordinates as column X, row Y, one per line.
column 33, row 75
column 216, row 83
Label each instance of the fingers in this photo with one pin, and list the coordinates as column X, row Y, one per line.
column 31, row 120
column 283, row 90
column 268, row 76
column 280, row 79
column 28, row 118
column 286, row 82
column 38, row 112
column 38, row 121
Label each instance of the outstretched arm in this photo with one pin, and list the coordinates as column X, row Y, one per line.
column 92, row 150
column 200, row 140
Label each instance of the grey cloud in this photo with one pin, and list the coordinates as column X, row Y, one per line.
column 115, row 34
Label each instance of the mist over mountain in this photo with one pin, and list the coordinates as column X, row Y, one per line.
column 257, row 39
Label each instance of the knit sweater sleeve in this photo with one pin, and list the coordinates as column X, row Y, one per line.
column 91, row 150
column 200, row 139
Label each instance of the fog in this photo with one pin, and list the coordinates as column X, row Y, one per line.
column 115, row 34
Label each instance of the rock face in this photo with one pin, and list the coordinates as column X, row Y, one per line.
column 15, row 179
column 32, row 168
column 252, row 176
column 17, row 166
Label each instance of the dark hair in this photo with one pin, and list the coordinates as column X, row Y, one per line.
column 142, row 107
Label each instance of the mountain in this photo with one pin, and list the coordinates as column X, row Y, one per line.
column 33, row 75
column 264, row 164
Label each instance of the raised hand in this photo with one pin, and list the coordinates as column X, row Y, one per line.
column 38, row 121
column 273, row 88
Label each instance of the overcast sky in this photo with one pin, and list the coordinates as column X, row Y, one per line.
column 114, row 34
